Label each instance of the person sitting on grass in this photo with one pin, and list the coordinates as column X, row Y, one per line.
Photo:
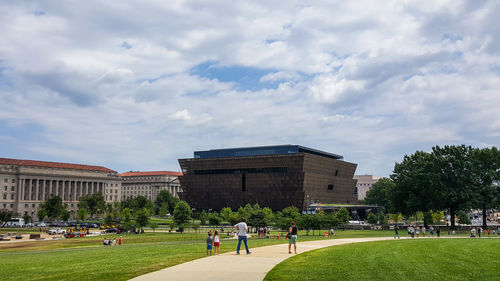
column 209, row 243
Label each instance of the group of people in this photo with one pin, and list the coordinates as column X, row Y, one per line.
column 241, row 230
column 112, row 242
column 415, row 230
column 213, row 242
column 479, row 232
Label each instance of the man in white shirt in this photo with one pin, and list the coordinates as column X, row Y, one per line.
column 242, row 229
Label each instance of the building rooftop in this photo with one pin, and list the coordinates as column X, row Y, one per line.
column 263, row 150
column 47, row 164
column 150, row 173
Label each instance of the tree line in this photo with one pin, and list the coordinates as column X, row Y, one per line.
column 454, row 179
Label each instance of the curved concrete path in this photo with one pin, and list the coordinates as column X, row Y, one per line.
column 230, row 266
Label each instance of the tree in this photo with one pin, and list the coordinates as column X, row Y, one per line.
column 182, row 212
column 93, row 203
column 415, row 184
column 381, row 194
column 396, row 217
column 54, row 207
column 214, row 218
column 486, row 175
column 108, row 220
column 65, row 215
column 290, row 212
column 257, row 219
column 226, row 213
column 203, row 217
column 163, row 210
column 5, row 216
column 343, row 216
column 372, row 218
column 142, row 217
column 41, row 214
column 26, row 217
column 165, row 197
column 454, row 182
column 463, row 218
column 81, row 215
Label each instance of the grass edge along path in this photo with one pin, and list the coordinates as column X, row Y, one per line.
column 408, row 259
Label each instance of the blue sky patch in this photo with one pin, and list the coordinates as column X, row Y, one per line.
column 244, row 77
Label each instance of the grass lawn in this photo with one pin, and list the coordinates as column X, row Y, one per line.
column 86, row 258
column 422, row 259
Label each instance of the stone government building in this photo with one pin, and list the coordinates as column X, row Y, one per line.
column 149, row 184
column 272, row 176
column 26, row 184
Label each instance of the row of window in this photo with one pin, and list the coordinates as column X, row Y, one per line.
column 7, row 180
column 12, row 188
column 12, row 196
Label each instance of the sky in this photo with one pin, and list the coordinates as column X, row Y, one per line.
column 136, row 85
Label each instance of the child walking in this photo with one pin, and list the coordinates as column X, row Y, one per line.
column 216, row 243
column 209, row 243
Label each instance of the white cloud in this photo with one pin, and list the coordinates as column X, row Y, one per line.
column 369, row 80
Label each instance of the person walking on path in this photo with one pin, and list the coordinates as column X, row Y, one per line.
column 431, row 231
column 242, row 229
column 210, row 242
column 120, row 240
column 423, row 231
column 438, row 232
column 396, row 232
column 216, row 243
column 479, row 231
column 417, row 230
column 293, row 230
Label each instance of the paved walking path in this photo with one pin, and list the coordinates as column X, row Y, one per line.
column 243, row 267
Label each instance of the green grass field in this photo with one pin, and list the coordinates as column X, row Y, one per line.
column 416, row 259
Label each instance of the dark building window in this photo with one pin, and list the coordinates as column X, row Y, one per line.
column 336, row 172
column 330, row 187
column 355, row 191
column 244, row 182
column 242, row 171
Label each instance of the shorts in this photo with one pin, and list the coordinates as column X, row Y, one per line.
column 216, row 244
column 292, row 239
column 209, row 246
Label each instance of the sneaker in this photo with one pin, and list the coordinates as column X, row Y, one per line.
column 249, row 253
column 237, row 253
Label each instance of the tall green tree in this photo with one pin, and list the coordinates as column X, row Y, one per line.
column 226, row 213
column 41, row 214
column 415, row 180
column 182, row 213
column 26, row 217
column 81, row 214
column 343, row 216
column 54, row 207
column 165, row 197
column 142, row 217
column 486, row 176
column 93, row 203
column 454, row 182
column 381, row 194
column 258, row 219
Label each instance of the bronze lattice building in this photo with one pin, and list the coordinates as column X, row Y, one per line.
column 272, row 176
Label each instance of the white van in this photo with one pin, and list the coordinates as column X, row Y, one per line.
column 16, row 222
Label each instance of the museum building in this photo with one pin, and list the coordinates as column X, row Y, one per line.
column 26, row 184
column 272, row 176
column 149, row 184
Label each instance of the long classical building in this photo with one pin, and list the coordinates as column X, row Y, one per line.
column 26, row 184
column 149, row 184
column 272, row 176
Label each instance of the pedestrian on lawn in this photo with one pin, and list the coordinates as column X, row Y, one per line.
column 293, row 230
column 396, row 233
column 242, row 229
column 210, row 242
column 216, row 243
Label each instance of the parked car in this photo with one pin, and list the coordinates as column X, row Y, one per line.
column 54, row 231
column 111, row 230
column 40, row 224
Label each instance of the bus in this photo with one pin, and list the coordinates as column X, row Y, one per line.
column 16, row 222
